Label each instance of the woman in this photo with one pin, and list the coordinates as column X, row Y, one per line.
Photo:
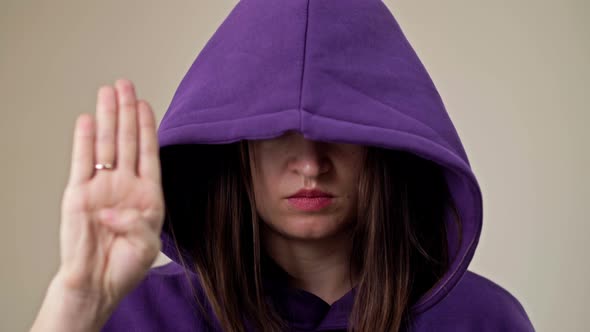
column 308, row 178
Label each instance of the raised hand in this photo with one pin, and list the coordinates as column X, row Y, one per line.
column 111, row 219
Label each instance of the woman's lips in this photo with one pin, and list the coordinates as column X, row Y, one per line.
column 310, row 203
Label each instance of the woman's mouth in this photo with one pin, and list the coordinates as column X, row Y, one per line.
column 310, row 203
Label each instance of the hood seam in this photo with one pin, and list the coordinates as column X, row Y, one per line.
column 301, row 110
column 299, row 107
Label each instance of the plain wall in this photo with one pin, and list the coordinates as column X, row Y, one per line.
column 513, row 76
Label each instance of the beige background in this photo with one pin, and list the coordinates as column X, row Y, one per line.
column 513, row 75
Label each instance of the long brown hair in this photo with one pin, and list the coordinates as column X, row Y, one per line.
column 399, row 239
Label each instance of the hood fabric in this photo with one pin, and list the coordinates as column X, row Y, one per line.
column 333, row 70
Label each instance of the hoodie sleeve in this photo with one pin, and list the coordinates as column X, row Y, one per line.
column 476, row 304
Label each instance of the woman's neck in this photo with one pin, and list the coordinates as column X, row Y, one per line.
column 320, row 267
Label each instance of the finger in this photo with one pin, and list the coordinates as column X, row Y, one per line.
column 149, row 160
column 127, row 126
column 82, row 168
column 106, row 121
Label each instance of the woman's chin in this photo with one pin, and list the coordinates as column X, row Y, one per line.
column 310, row 228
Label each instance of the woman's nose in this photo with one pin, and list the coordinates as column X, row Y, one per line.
column 309, row 159
column 311, row 168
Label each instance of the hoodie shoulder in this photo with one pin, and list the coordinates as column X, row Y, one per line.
column 163, row 301
column 475, row 304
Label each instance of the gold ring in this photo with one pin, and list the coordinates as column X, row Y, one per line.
column 104, row 166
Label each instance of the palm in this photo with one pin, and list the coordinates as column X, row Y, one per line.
column 102, row 257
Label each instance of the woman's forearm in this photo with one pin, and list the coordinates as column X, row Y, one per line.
column 66, row 311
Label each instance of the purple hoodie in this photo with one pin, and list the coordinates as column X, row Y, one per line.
column 334, row 70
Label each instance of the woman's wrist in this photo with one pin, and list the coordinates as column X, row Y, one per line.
column 64, row 309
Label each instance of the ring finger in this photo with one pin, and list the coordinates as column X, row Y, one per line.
column 106, row 120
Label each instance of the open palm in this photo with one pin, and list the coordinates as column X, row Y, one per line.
column 112, row 218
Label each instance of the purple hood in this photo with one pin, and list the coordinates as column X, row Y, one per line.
column 334, row 70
